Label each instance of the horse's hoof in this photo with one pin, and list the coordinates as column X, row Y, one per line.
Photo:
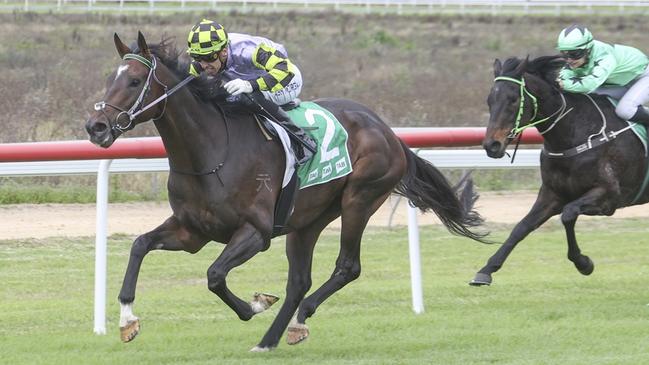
column 481, row 279
column 585, row 265
column 128, row 332
column 262, row 301
column 297, row 332
column 261, row 349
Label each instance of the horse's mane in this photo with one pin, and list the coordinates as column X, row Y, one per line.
column 178, row 62
column 545, row 67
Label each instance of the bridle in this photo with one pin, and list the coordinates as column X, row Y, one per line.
column 518, row 129
column 137, row 108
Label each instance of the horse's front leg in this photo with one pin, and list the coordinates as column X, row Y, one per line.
column 170, row 235
column 545, row 206
column 246, row 242
column 590, row 203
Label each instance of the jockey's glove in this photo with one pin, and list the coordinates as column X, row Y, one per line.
column 195, row 68
column 238, row 86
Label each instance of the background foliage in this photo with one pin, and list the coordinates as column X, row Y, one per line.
column 414, row 70
column 428, row 71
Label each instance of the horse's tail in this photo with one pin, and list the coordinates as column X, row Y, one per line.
column 427, row 189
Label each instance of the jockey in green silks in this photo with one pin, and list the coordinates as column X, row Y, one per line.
column 614, row 70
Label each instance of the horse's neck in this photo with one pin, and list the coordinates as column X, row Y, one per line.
column 557, row 134
column 194, row 134
column 583, row 121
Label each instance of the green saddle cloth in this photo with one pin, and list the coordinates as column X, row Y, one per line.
column 331, row 160
column 638, row 129
column 641, row 132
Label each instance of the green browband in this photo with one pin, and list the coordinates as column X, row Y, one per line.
column 133, row 56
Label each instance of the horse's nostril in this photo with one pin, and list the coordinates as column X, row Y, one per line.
column 492, row 148
column 495, row 146
column 97, row 128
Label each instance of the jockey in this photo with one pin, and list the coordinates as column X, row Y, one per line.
column 613, row 70
column 254, row 66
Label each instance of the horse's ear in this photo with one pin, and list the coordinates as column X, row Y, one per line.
column 522, row 66
column 122, row 49
column 141, row 43
column 498, row 68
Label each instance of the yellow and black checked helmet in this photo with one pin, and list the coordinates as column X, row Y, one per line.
column 206, row 37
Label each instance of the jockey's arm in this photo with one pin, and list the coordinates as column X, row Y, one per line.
column 279, row 69
column 584, row 84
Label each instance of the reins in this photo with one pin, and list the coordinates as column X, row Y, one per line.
column 137, row 109
column 604, row 137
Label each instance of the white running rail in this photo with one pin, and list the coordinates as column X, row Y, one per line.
column 549, row 7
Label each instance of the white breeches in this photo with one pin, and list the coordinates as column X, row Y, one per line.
column 635, row 94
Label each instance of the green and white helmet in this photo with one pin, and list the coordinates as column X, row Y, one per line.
column 206, row 37
column 574, row 37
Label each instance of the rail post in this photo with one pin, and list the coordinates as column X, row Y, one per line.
column 100, row 247
column 415, row 261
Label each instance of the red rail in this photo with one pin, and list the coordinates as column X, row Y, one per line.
column 151, row 147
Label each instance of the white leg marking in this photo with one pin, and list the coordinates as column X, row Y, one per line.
column 260, row 349
column 126, row 314
column 257, row 307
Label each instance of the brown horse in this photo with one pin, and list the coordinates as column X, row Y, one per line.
column 215, row 162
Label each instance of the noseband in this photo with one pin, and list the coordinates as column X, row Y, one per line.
column 137, row 107
column 518, row 129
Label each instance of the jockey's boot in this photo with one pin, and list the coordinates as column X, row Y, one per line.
column 641, row 116
column 304, row 146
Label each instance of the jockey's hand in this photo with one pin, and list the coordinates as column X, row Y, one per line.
column 560, row 84
column 195, row 69
column 238, row 86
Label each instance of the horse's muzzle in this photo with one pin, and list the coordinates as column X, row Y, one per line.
column 99, row 132
column 494, row 148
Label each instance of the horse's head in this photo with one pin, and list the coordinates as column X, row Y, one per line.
column 130, row 90
column 514, row 99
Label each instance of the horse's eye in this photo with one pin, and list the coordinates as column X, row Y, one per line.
column 135, row 83
column 512, row 100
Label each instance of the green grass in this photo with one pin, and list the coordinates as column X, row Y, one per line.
column 82, row 189
column 152, row 187
column 538, row 311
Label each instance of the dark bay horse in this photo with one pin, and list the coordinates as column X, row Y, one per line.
column 216, row 161
column 591, row 162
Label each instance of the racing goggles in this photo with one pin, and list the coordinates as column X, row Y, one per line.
column 211, row 57
column 574, row 54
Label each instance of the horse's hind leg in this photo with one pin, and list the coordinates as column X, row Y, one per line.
column 168, row 236
column 356, row 211
column 299, row 251
column 591, row 203
column 583, row 263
